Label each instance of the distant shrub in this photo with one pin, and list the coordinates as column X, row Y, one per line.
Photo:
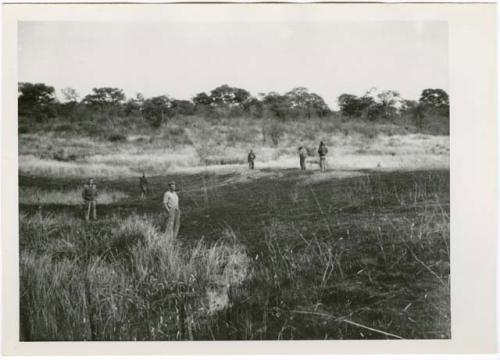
column 176, row 136
column 176, row 131
column 223, row 160
column 115, row 137
column 311, row 151
column 63, row 155
column 275, row 131
column 90, row 128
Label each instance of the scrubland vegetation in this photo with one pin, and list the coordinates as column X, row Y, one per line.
column 104, row 134
column 56, row 155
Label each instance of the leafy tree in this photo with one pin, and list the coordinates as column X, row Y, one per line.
column 436, row 99
column 375, row 111
column 374, row 104
column 276, row 131
column 254, row 107
column 105, row 97
column 353, row 106
column 350, row 105
column 229, row 96
column 202, row 99
column 157, row 110
column 276, row 105
column 302, row 102
column 182, row 107
column 240, row 96
column 134, row 105
column 36, row 100
column 388, row 103
column 70, row 95
column 139, row 99
column 35, row 94
column 68, row 109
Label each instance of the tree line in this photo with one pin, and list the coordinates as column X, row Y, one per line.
column 38, row 102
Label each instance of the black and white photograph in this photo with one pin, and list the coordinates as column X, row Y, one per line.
column 233, row 181
column 234, row 175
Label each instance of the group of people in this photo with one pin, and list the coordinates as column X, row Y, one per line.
column 170, row 197
column 322, row 151
column 170, row 203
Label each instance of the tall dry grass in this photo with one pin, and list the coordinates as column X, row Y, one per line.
column 120, row 281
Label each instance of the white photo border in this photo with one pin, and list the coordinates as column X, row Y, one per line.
column 473, row 172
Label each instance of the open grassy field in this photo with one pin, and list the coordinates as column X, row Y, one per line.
column 268, row 254
column 58, row 156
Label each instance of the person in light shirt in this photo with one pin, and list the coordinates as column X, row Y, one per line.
column 171, row 203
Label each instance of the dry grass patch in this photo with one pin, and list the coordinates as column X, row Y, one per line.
column 120, row 281
column 30, row 195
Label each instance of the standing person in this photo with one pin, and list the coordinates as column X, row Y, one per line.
column 322, row 151
column 89, row 195
column 143, row 183
column 251, row 159
column 171, row 203
column 302, row 156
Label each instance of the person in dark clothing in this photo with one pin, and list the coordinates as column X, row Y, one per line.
column 251, row 160
column 302, row 156
column 89, row 195
column 143, row 184
column 322, row 151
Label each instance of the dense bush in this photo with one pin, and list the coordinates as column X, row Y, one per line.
column 63, row 155
column 39, row 110
column 116, row 137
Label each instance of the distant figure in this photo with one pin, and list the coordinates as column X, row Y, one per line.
column 89, row 195
column 322, row 151
column 251, row 159
column 143, row 184
column 302, row 156
column 171, row 203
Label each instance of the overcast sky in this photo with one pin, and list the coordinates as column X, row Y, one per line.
column 182, row 59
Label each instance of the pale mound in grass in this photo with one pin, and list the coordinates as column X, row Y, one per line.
column 152, row 160
column 32, row 165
